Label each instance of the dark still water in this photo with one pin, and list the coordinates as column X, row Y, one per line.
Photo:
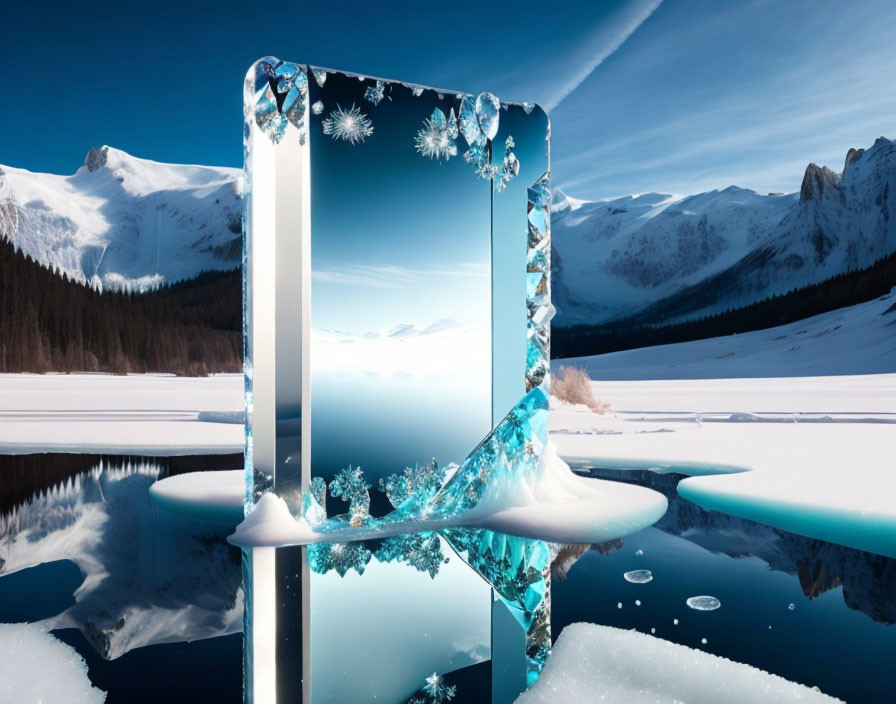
column 838, row 634
column 153, row 602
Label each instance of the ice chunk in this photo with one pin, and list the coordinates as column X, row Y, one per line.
column 215, row 496
column 271, row 523
column 638, row 576
column 36, row 667
column 591, row 661
column 704, row 603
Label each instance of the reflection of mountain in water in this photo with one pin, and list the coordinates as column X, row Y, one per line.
column 868, row 580
column 148, row 577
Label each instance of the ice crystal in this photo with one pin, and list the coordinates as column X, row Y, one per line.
column 469, row 125
column 434, row 139
column 317, row 108
column 520, row 571
column 422, row 551
column 279, row 94
column 341, row 557
column 350, row 125
column 415, row 487
column 314, row 502
column 487, row 114
column 528, row 107
column 375, row 93
column 453, row 131
column 438, row 689
column 417, row 92
column 350, row 485
column 320, row 76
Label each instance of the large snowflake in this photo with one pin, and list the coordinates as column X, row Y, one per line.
column 350, row 125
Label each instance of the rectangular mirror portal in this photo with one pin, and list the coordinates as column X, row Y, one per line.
column 396, row 288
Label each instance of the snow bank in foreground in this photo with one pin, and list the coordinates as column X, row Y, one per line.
column 599, row 663
column 36, row 667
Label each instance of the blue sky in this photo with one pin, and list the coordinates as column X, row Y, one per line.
column 674, row 96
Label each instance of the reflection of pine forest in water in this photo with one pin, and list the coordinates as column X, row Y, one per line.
column 165, row 580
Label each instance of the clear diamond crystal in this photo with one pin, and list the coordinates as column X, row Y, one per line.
column 488, row 109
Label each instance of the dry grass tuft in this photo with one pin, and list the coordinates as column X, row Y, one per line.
column 573, row 385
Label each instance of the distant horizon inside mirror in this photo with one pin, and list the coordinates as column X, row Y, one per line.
column 396, row 309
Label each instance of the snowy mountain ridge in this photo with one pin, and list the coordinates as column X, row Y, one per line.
column 668, row 258
column 123, row 222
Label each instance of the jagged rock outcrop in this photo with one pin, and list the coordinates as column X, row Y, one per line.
column 852, row 155
column 815, row 181
column 97, row 158
column 656, row 259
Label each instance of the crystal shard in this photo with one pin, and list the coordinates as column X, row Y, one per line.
column 350, row 485
column 469, row 124
column 488, row 109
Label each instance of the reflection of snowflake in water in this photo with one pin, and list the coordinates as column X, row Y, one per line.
column 350, row 125
column 434, row 140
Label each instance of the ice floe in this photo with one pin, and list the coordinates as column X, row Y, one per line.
column 591, row 662
column 828, row 480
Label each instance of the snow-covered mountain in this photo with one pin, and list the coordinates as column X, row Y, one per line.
column 668, row 258
column 124, row 222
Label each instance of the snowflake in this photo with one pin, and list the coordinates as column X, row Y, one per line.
column 317, row 108
column 436, row 688
column 434, row 140
column 375, row 94
column 350, row 125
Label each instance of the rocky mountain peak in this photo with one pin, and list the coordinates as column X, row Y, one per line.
column 97, row 158
column 851, row 156
column 815, row 181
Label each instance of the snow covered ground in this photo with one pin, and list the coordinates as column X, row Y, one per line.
column 600, row 663
column 815, row 455
column 135, row 414
column 855, row 339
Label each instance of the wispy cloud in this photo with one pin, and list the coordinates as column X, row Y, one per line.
column 604, row 43
column 392, row 276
